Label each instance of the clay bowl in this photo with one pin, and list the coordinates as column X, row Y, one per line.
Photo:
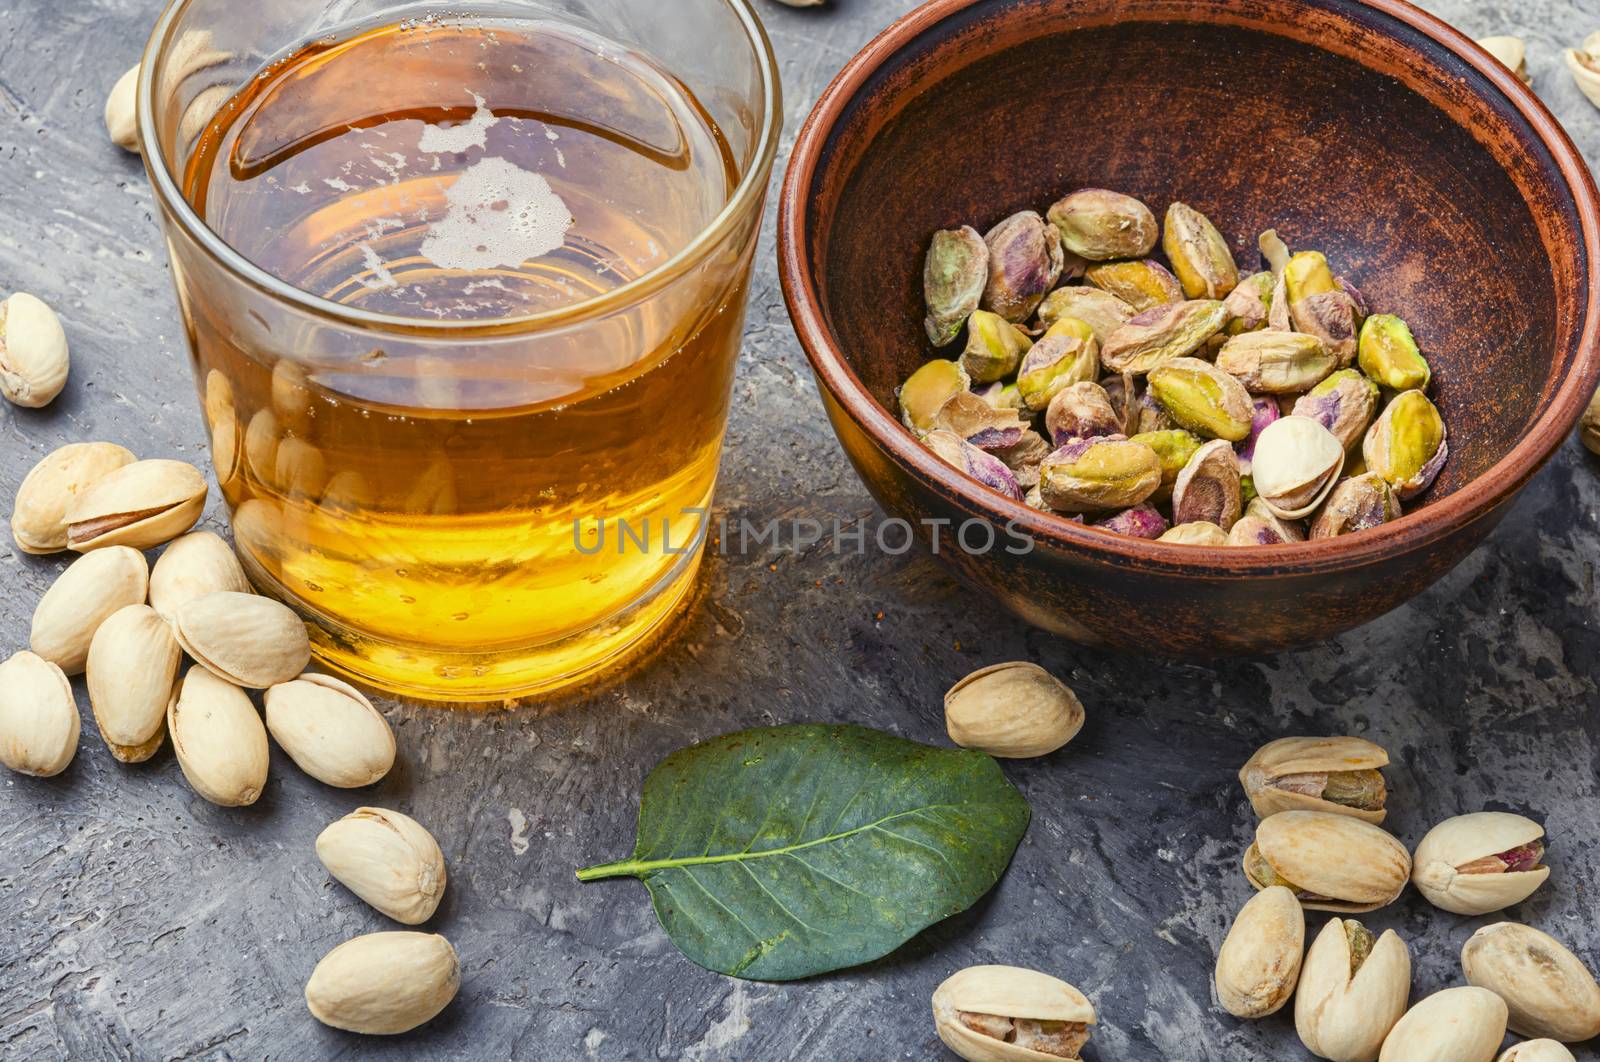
column 1369, row 130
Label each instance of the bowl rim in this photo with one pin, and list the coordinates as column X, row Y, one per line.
column 1479, row 497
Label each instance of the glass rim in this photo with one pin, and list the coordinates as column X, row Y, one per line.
column 752, row 186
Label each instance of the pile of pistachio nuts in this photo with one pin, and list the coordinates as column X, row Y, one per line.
column 126, row 627
column 1187, row 404
column 1320, row 846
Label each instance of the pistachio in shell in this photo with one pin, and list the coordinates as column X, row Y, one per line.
column 1141, row 283
column 954, row 275
column 1199, row 255
column 1548, row 990
column 1589, row 425
column 1320, row 306
column 388, row 859
column 1340, row 775
column 1295, row 466
column 1249, row 305
column 994, row 347
column 1353, row 989
column 1203, row 399
column 1537, row 1051
column 1358, row 503
column 133, row 663
column 191, row 567
column 1276, row 363
column 1196, row 534
column 1344, row 403
column 1174, row 447
column 1462, row 1024
column 1025, row 261
column 1066, row 354
column 1141, row 521
column 84, row 596
column 331, row 730
column 1010, row 1014
column 141, row 505
column 1207, row 489
column 1098, row 225
column 250, row 641
column 1480, row 863
column 1162, row 334
column 1099, row 475
column 1407, row 445
column 927, row 390
column 1258, row 964
column 973, row 462
column 33, row 351
column 1081, row 411
column 219, row 740
column 1016, row 710
column 1388, row 354
column 1102, row 311
column 384, row 983
column 39, row 516
column 1332, row 862
column 38, row 716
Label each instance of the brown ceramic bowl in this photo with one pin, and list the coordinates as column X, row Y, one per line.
column 1369, row 130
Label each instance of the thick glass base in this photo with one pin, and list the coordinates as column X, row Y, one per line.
column 498, row 676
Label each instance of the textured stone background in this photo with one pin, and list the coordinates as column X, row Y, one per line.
column 138, row 921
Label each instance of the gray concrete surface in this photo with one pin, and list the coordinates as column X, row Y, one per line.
column 139, row 922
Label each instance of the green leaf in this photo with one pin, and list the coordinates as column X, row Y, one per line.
column 787, row 851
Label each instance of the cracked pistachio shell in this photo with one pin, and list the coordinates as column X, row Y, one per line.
column 1276, row 778
column 1295, row 466
column 1320, row 306
column 1207, row 490
column 1408, row 444
column 1099, row 475
column 388, row 859
column 984, row 426
column 121, row 116
column 33, row 351
column 1258, row 964
column 1461, row 1024
column 1583, row 62
column 1388, row 354
column 1276, row 363
column 1250, row 304
column 1198, row 253
column 330, row 730
column 218, row 738
column 1537, row 1051
column 1066, row 354
column 1452, row 867
column 1512, row 53
column 1274, row 250
column 39, row 517
column 994, row 347
column 1143, row 283
column 1024, row 458
column 1547, row 989
column 1196, row 534
column 1353, row 989
column 1162, row 334
column 1098, row 225
column 191, row 567
column 953, row 278
column 1081, row 411
column 1337, row 863
column 1589, row 425
column 1141, row 521
column 384, row 983
column 1174, row 447
column 971, row 461
column 1344, row 403
column 38, row 716
column 927, row 390
column 133, row 663
column 1203, row 398
column 1102, row 311
column 141, row 505
column 1025, row 261
column 92, row 588
column 247, row 640
column 1001, row 1014
column 1358, row 503
column 1015, row 711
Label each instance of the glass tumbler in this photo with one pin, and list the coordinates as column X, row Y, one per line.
column 466, row 509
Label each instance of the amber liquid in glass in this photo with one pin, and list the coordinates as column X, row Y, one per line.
column 425, row 506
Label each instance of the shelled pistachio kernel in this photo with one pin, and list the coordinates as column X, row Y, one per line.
column 954, row 275
column 1199, row 255
column 1174, row 447
column 994, row 347
column 1344, row 403
column 1408, row 444
column 1001, row 1013
column 1163, row 334
column 1025, row 261
column 1249, row 305
column 927, row 390
column 1102, row 311
column 1143, row 284
column 1066, row 354
column 1388, row 354
column 1202, row 398
column 1099, row 225
column 973, row 462
column 1099, row 475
